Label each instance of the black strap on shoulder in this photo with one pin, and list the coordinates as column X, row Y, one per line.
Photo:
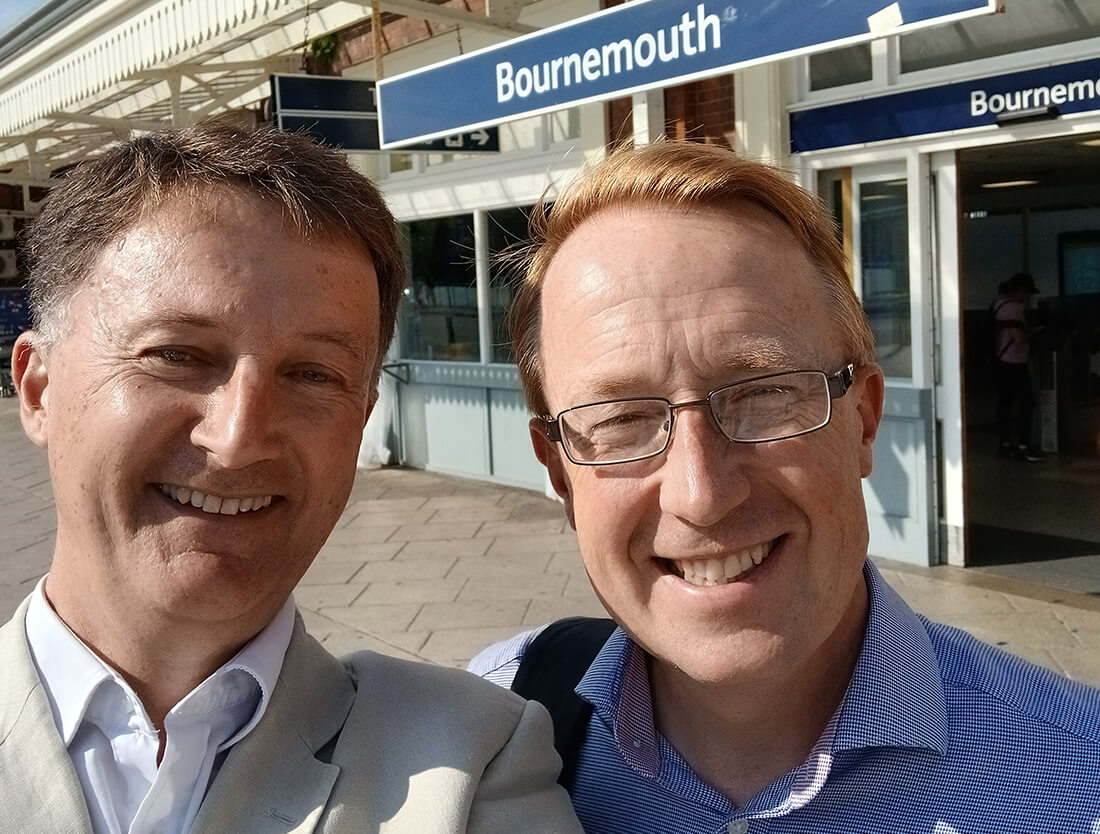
column 551, row 668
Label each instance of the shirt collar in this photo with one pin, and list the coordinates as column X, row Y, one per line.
column 262, row 658
column 894, row 699
column 72, row 673
column 617, row 686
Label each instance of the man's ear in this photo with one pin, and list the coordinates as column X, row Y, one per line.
column 872, row 390
column 31, row 378
column 550, row 458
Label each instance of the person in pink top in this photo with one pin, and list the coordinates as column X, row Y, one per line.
column 1015, row 397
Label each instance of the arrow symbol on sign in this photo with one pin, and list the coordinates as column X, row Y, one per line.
column 480, row 136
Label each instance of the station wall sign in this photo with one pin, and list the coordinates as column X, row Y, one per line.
column 634, row 47
column 1046, row 92
column 344, row 112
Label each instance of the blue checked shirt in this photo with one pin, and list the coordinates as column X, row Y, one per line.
column 937, row 734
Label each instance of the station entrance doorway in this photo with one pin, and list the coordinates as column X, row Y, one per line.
column 1034, row 207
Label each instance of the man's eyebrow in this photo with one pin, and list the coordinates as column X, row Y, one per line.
column 347, row 341
column 343, row 339
column 617, row 387
column 749, row 357
column 742, row 362
column 759, row 354
column 170, row 319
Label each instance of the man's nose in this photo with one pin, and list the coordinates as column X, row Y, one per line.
column 240, row 423
column 700, row 480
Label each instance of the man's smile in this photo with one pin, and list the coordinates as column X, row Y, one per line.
column 722, row 571
column 215, row 504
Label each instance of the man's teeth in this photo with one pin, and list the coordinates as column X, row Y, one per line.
column 722, row 571
column 212, row 503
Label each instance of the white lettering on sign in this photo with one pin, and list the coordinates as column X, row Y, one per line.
column 690, row 36
column 983, row 102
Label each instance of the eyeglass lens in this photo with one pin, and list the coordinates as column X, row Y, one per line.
column 772, row 408
column 752, row 411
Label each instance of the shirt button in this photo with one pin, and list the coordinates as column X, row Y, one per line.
column 738, row 827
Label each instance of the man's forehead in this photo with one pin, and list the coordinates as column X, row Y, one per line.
column 725, row 296
column 631, row 248
column 198, row 206
column 185, row 211
column 632, row 239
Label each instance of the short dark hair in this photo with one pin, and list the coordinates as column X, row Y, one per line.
column 682, row 175
column 321, row 196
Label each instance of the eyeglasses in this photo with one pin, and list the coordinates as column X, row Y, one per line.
column 758, row 410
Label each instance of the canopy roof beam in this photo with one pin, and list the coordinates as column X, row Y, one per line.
column 154, row 63
column 123, row 125
column 504, row 22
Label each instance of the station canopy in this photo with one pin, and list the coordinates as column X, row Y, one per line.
column 80, row 74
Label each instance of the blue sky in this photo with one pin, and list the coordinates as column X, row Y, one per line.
column 13, row 11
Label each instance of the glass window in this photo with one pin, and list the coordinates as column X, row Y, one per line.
column 400, row 162
column 439, row 314
column 507, row 227
column 884, row 271
column 565, row 124
column 847, row 65
column 521, row 134
column 1028, row 24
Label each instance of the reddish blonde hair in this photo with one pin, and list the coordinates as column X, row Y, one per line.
column 681, row 175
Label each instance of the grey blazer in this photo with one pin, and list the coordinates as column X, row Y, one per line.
column 370, row 744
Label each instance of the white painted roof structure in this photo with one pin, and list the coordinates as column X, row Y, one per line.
column 84, row 73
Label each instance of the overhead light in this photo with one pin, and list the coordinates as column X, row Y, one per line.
column 1033, row 114
column 980, row 214
column 1009, row 183
column 1090, row 143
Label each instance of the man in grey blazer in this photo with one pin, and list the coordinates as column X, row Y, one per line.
column 210, row 311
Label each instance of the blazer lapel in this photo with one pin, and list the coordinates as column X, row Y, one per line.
column 41, row 790
column 274, row 781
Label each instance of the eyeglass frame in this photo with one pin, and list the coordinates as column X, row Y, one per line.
column 836, row 384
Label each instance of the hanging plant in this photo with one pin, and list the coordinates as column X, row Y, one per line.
column 323, row 49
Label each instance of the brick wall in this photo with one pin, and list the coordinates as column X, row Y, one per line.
column 356, row 43
column 701, row 111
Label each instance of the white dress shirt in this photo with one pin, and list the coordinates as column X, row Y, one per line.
column 112, row 742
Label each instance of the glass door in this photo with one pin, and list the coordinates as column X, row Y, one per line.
column 884, row 213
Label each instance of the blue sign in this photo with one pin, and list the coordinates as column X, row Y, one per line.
column 15, row 313
column 342, row 112
column 633, row 47
column 1040, row 93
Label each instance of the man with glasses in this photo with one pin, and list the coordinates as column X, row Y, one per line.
column 706, row 401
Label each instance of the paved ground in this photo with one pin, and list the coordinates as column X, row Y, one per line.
column 434, row 567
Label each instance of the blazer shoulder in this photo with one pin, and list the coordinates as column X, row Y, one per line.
column 428, row 686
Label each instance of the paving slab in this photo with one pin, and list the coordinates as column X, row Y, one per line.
column 435, row 532
column 530, row 586
column 446, row 589
column 448, row 547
